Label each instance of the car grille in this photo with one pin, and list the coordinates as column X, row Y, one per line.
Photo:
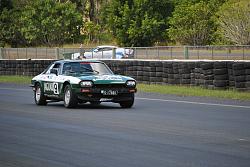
column 109, row 86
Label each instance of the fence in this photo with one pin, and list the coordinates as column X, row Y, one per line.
column 161, row 52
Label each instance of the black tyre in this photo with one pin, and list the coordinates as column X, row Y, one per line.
column 159, row 69
column 209, row 77
column 220, row 83
column 220, row 71
column 220, row 65
column 129, row 103
column 185, row 81
column 247, row 71
column 221, row 77
column 208, row 72
column 185, row 76
column 207, row 65
column 39, row 97
column 240, row 78
column 238, row 66
column 239, row 72
column 70, row 99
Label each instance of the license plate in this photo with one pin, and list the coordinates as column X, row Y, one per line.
column 109, row 92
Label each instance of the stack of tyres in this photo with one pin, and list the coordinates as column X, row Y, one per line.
column 170, row 73
column 156, row 72
column 173, row 74
column 247, row 72
column 207, row 75
column 146, row 72
column 165, row 72
column 152, row 72
column 239, row 76
column 231, row 82
column 117, row 67
column 197, row 74
column 191, row 66
column 135, row 68
column 130, row 68
column 192, row 74
column 185, row 73
column 139, row 71
column 220, row 75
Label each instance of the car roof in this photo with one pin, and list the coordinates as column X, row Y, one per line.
column 69, row 61
column 106, row 46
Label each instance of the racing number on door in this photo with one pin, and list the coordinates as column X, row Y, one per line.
column 51, row 87
column 56, row 88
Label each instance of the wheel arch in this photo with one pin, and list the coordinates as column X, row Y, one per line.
column 64, row 85
column 40, row 83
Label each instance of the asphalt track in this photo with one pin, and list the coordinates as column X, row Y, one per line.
column 159, row 131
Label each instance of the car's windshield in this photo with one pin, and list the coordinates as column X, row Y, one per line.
column 85, row 68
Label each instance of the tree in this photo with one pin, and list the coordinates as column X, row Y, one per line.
column 234, row 21
column 138, row 22
column 10, row 24
column 191, row 24
column 50, row 23
column 5, row 4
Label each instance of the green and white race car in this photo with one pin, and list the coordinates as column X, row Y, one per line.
column 82, row 81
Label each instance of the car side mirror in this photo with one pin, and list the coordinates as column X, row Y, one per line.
column 54, row 71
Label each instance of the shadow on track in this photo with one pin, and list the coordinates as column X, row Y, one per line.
column 86, row 106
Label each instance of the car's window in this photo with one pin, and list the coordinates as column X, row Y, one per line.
column 56, row 65
column 106, row 49
column 85, row 68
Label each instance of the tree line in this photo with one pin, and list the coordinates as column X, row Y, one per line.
column 126, row 22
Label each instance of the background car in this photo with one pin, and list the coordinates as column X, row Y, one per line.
column 82, row 81
column 106, row 52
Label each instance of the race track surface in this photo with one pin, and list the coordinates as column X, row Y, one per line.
column 159, row 131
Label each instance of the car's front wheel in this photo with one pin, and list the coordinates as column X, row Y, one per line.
column 39, row 97
column 128, row 103
column 70, row 99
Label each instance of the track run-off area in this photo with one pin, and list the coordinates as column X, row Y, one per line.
column 158, row 131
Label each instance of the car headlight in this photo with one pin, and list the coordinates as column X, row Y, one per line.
column 131, row 83
column 86, row 84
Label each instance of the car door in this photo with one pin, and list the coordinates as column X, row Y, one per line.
column 51, row 82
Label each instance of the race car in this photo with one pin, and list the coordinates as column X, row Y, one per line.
column 82, row 81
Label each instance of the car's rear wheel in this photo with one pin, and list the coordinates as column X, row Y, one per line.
column 128, row 103
column 39, row 97
column 70, row 99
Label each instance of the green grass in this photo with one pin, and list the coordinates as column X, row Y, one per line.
column 15, row 79
column 193, row 91
column 162, row 89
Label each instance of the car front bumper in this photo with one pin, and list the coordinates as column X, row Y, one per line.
column 89, row 94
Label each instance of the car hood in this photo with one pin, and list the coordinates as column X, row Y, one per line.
column 107, row 79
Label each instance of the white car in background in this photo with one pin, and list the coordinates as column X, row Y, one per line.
column 106, row 52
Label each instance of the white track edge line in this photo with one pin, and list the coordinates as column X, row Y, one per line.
column 190, row 102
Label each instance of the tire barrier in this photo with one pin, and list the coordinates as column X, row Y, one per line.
column 207, row 74
column 23, row 67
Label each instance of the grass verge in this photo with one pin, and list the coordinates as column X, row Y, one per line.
column 15, row 79
column 162, row 89
column 193, row 91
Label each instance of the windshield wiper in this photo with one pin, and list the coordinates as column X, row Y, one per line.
column 90, row 70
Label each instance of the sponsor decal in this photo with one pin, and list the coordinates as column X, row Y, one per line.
column 108, row 77
column 51, row 87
